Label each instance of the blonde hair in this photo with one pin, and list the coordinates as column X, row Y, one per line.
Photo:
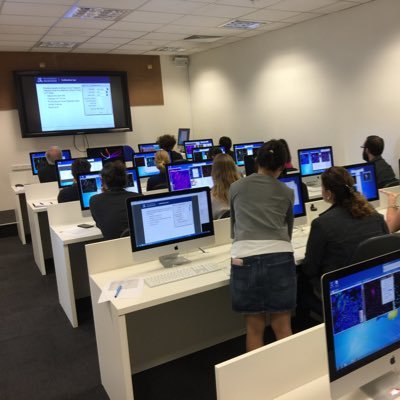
column 162, row 159
column 224, row 173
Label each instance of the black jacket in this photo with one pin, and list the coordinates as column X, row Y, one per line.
column 175, row 156
column 110, row 213
column 384, row 173
column 47, row 173
column 156, row 182
column 69, row 193
column 334, row 237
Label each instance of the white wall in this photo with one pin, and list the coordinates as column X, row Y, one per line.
column 331, row 80
column 148, row 123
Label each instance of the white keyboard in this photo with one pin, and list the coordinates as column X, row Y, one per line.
column 178, row 273
column 299, row 241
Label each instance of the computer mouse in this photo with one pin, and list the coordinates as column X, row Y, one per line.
column 19, row 185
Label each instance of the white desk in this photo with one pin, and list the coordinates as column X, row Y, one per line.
column 68, row 241
column 21, row 213
column 38, row 222
column 193, row 314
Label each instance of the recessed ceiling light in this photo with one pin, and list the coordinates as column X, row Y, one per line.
column 203, row 38
column 238, row 24
column 108, row 14
column 53, row 44
column 169, row 49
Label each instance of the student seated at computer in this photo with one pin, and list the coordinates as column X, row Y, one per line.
column 71, row 193
column 288, row 166
column 159, row 181
column 372, row 152
column 167, row 143
column 337, row 232
column 48, row 172
column 263, row 274
column 226, row 143
column 223, row 173
column 109, row 208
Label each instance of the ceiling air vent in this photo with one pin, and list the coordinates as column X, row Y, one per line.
column 169, row 49
column 108, row 14
column 203, row 38
column 237, row 24
column 58, row 45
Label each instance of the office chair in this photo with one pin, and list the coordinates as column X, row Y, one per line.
column 376, row 246
column 226, row 214
column 395, row 182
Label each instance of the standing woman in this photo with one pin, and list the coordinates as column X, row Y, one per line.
column 263, row 274
column 224, row 173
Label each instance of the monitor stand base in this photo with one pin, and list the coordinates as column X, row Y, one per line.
column 383, row 388
column 173, row 260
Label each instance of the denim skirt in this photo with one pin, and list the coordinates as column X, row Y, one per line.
column 264, row 283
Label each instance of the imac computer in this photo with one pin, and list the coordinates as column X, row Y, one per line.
column 146, row 164
column 183, row 136
column 39, row 158
column 189, row 175
column 365, row 181
column 162, row 225
column 146, row 147
column 64, row 174
column 203, row 153
column 191, row 144
column 107, row 153
column 313, row 162
column 362, row 323
column 90, row 184
column 293, row 181
column 241, row 150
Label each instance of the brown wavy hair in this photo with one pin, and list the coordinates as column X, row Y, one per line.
column 224, row 173
column 341, row 184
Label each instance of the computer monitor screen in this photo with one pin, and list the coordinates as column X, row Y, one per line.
column 183, row 136
column 38, row 159
column 64, row 174
column 161, row 219
column 204, row 153
column 362, row 321
column 191, row 144
column 146, row 164
column 91, row 184
column 245, row 149
column 315, row 161
column 146, row 147
column 107, row 153
column 365, row 180
column 293, row 181
column 189, row 175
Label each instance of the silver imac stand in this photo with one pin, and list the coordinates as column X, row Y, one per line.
column 386, row 387
column 173, row 260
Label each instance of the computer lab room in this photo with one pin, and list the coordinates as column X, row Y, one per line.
column 200, row 200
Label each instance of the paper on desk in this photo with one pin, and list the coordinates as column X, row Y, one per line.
column 131, row 288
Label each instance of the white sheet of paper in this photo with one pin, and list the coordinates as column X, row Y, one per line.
column 131, row 288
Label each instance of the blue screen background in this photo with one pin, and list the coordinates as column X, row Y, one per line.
column 298, row 207
column 365, row 180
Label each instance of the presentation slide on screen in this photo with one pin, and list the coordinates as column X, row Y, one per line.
column 69, row 103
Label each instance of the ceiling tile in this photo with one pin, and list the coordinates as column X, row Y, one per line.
column 15, row 48
column 341, row 5
column 41, row 10
column 105, row 46
column 83, row 23
column 110, row 33
column 179, row 29
column 135, row 26
column 8, row 43
column 267, row 14
column 50, row 50
column 19, row 37
column 247, row 3
column 25, row 20
column 218, row 10
column 154, row 43
column 151, row 17
column 64, row 38
column 122, row 4
column 87, row 51
column 276, row 25
column 134, row 46
column 62, row 2
column 127, row 51
column 164, row 36
column 73, row 31
column 172, row 6
column 11, row 29
column 301, row 17
column 301, row 5
column 98, row 39
column 250, row 33
column 196, row 20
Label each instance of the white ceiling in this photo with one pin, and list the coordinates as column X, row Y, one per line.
column 150, row 24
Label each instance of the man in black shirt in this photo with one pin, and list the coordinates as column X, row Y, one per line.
column 48, row 172
column 109, row 208
column 372, row 152
column 70, row 193
column 226, row 143
column 167, row 143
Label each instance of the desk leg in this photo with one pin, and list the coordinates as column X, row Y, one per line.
column 36, row 240
column 19, row 217
column 112, row 348
column 65, row 286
